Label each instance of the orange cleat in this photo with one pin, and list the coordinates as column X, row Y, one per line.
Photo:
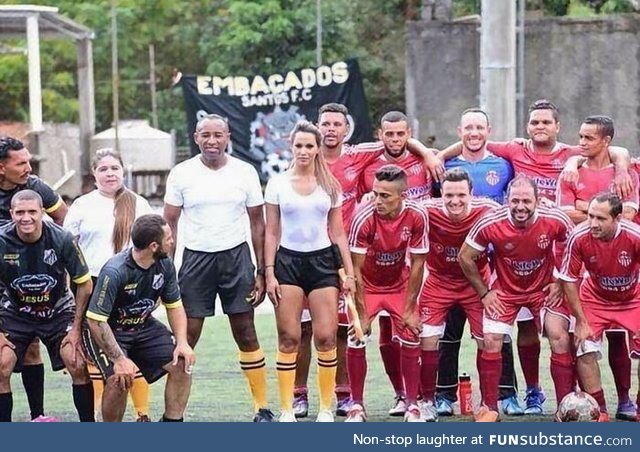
column 604, row 417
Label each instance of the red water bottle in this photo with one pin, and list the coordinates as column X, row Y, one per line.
column 465, row 395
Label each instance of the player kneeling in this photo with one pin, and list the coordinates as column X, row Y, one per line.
column 123, row 336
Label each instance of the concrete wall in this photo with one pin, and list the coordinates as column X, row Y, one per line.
column 585, row 66
column 56, row 140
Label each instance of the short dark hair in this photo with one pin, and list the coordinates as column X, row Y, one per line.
column 212, row 117
column 392, row 173
column 544, row 104
column 604, row 123
column 147, row 229
column 476, row 110
column 615, row 203
column 333, row 107
column 458, row 175
column 522, row 179
column 394, row 116
column 8, row 144
column 26, row 195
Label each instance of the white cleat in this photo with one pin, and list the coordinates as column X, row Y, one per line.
column 287, row 416
column 356, row 414
column 399, row 407
column 428, row 411
column 325, row 416
column 413, row 414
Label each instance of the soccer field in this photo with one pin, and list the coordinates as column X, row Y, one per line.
column 220, row 392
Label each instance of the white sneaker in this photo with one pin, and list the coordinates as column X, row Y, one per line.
column 356, row 414
column 399, row 407
column 413, row 414
column 428, row 411
column 287, row 416
column 325, row 416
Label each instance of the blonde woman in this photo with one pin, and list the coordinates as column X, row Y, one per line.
column 102, row 220
column 303, row 223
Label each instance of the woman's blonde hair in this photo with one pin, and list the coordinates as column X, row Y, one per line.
column 324, row 177
column 124, row 205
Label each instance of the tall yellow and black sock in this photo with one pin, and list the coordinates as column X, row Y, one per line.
column 98, row 388
column 255, row 369
column 139, row 393
column 327, row 364
column 286, row 369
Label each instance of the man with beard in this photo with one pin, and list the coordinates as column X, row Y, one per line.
column 608, row 247
column 524, row 237
column 37, row 257
column 123, row 336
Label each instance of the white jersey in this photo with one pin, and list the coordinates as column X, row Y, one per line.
column 303, row 218
column 214, row 202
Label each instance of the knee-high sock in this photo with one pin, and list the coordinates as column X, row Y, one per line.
column 447, row 384
column 33, row 381
column 390, row 353
column 562, row 374
column 327, row 364
column 286, row 370
column 411, row 372
column 139, row 393
column 6, row 406
column 530, row 362
column 620, row 363
column 357, row 368
column 508, row 382
column 255, row 370
column 599, row 396
column 83, row 401
column 490, row 369
column 429, row 374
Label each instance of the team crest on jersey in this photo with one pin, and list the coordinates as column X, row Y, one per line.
column 492, row 178
column 406, row 234
column 439, row 248
column 543, row 242
column 624, row 259
column 415, row 169
column 50, row 257
column 158, row 281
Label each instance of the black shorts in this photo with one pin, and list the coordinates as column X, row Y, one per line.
column 229, row 274
column 308, row 270
column 149, row 347
column 22, row 331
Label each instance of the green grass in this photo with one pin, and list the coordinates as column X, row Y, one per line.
column 220, row 392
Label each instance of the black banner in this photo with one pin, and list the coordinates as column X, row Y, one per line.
column 263, row 109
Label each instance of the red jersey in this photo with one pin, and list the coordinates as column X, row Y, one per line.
column 592, row 182
column 445, row 278
column 612, row 266
column 385, row 243
column 525, row 258
column 544, row 168
column 347, row 169
column 418, row 178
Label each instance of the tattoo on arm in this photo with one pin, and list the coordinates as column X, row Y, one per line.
column 108, row 343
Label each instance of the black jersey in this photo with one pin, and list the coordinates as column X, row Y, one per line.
column 35, row 274
column 50, row 199
column 125, row 294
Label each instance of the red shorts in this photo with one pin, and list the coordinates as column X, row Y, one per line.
column 394, row 304
column 503, row 324
column 433, row 314
column 602, row 318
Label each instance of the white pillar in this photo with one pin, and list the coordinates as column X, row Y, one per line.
column 86, row 99
column 498, row 66
column 35, row 87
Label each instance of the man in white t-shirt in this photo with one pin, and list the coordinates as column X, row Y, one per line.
column 216, row 193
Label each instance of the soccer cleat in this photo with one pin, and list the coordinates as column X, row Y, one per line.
column 429, row 411
column 264, row 415
column 143, row 418
column 511, row 406
column 399, row 407
column 43, row 418
column 626, row 411
column 413, row 414
column 485, row 414
column 534, row 400
column 444, row 406
column 604, row 417
column 343, row 406
column 287, row 416
column 325, row 416
column 356, row 414
column 300, row 405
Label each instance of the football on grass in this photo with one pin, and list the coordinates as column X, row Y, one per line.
column 578, row 407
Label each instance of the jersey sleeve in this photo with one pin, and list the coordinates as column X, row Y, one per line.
column 419, row 242
column 104, row 295
column 171, row 292
column 174, row 191
column 504, row 149
column 572, row 261
column 272, row 191
column 51, row 201
column 566, row 195
column 359, row 236
column 74, row 260
column 478, row 238
column 254, row 189
column 142, row 207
